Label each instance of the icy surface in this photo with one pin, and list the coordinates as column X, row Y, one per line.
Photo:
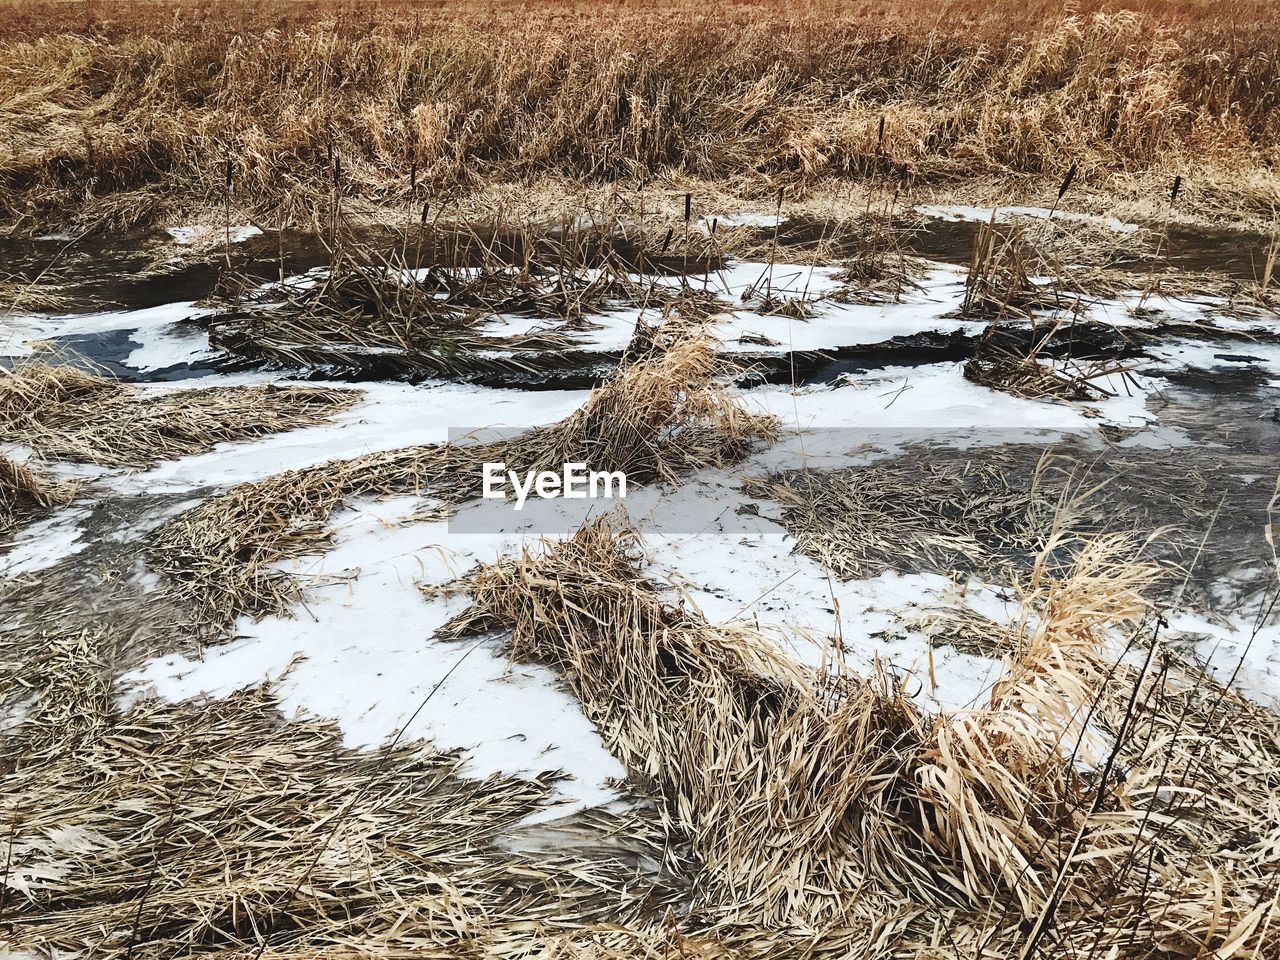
column 937, row 397
column 174, row 346
column 159, row 331
column 45, row 542
column 363, row 650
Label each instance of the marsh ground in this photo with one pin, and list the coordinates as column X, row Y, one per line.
column 941, row 621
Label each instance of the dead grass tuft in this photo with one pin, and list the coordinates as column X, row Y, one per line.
column 21, row 295
column 1000, row 282
column 22, row 489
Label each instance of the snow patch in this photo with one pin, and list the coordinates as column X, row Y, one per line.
column 362, row 652
column 46, row 542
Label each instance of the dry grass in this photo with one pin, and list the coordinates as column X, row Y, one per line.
column 370, row 308
column 877, row 274
column 1075, row 813
column 62, row 412
column 1264, row 290
column 861, row 521
column 1007, row 279
column 1029, row 375
column 18, row 294
column 22, row 489
column 659, row 417
column 220, row 829
column 118, row 114
column 811, row 814
column 962, row 628
column 1042, row 264
column 1011, row 280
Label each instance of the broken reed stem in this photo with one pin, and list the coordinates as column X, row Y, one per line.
column 226, row 214
column 773, row 248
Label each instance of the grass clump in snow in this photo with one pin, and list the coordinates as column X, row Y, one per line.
column 659, row 417
column 1038, row 378
column 1003, row 276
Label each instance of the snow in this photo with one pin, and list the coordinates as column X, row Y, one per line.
column 42, row 544
column 740, row 566
column 757, row 577
column 932, row 307
column 938, row 401
column 1188, row 354
column 176, row 346
column 1242, row 648
column 834, row 324
column 744, row 218
column 361, row 651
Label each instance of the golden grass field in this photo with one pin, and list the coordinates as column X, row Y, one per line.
column 115, row 113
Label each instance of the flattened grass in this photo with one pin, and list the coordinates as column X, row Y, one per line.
column 220, row 829
column 660, row 416
column 860, row 521
column 64, row 413
column 1075, row 807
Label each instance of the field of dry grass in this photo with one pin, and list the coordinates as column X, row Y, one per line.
column 118, row 114
column 967, row 648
